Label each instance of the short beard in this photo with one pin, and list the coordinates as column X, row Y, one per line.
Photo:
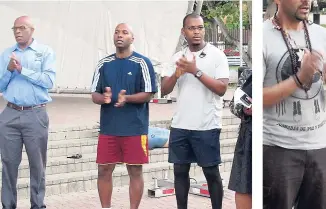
column 299, row 18
column 122, row 48
column 195, row 44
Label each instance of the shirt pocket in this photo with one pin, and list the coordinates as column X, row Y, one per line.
column 37, row 62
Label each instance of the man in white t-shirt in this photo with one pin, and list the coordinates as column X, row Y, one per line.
column 201, row 73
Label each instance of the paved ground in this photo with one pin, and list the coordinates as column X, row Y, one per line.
column 90, row 200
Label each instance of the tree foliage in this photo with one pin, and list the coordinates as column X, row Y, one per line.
column 228, row 11
column 225, row 15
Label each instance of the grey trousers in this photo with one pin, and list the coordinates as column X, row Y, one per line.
column 28, row 127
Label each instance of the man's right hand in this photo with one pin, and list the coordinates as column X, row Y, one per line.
column 310, row 65
column 179, row 72
column 13, row 63
column 107, row 95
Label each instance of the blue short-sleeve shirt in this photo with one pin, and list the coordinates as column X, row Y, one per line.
column 134, row 74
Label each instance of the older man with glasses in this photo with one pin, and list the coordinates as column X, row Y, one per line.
column 26, row 74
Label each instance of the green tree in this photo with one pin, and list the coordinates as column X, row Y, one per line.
column 225, row 15
column 228, row 12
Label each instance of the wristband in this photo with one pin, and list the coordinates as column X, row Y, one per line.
column 297, row 81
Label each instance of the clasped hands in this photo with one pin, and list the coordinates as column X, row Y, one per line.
column 14, row 63
column 185, row 66
column 108, row 96
column 312, row 64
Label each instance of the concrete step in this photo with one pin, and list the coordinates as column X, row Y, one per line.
column 73, row 136
column 72, row 175
column 87, row 180
column 62, row 164
column 227, row 146
column 229, row 132
column 66, row 147
column 68, row 133
column 83, row 146
column 79, row 132
column 230, row 120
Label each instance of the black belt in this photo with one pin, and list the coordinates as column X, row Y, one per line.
column 21, row 108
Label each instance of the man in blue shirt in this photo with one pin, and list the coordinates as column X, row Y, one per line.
column 123, row 84
column 26, row 73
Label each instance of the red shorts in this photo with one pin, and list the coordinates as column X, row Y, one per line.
column 131, row 150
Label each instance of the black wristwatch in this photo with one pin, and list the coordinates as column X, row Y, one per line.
column 198, row 74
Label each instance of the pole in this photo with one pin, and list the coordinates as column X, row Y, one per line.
column 316, row 13
column 316, row 18
column 241, row 30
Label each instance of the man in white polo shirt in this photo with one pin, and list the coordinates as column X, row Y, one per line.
column 201, row 73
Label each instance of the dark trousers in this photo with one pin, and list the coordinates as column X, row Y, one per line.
column 28, row 128
column 294, row 178
column 202, row 147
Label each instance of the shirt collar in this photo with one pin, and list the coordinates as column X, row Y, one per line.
column 33, row 46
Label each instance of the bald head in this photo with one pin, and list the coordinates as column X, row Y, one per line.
column 23, row 30
column 125, row 26
column 123, row 36
column 24, row 20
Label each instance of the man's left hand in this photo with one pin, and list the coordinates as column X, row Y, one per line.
column 187, row 66
column 121, row 99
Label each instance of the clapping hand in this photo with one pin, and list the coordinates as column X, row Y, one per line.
column 187, row 66
column 312, row 63
column 14, row 63
column 179, row 72
column 107, row 95
column 121, row 99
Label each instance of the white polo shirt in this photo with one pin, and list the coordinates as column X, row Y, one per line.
column 198, row 108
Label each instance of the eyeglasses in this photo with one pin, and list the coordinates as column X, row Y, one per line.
column 21, row 28
column 193, row 28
